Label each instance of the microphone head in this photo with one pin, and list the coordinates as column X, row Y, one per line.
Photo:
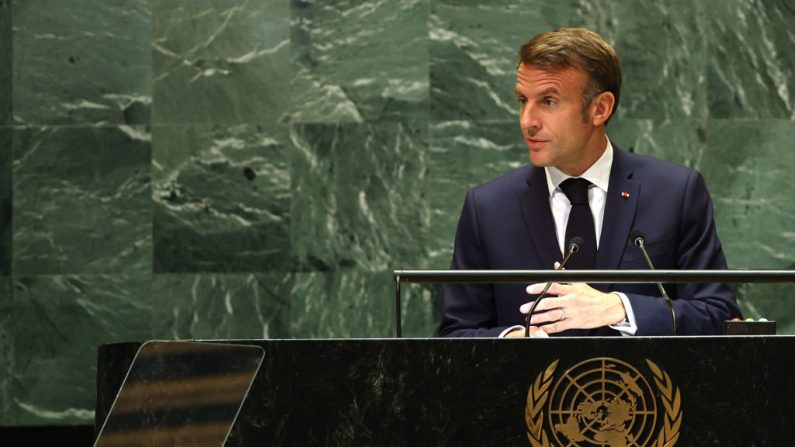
column 637, row 237
column 575, row 244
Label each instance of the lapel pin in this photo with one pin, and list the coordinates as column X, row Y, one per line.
column 624, row 195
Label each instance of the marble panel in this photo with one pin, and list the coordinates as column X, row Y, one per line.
column 679, row 141
column 359, row 61
column 350, row 303
column 360, row 196
column 50, row 330
column 464, row 154
column 421, row 309
column 752, row 59
column 6, row 351
column 663, row 55
column 81, row 200
column 5, row 62
column 222, row 198
column 749, row 167
column 250, row 306
column 6, row 198
column 79, row 68
column 474, row 51
column 220, row 61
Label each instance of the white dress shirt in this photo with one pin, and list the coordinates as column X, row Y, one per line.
column 599, row 176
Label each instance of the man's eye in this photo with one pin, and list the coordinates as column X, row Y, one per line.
column 549, row 102
column 522, row 101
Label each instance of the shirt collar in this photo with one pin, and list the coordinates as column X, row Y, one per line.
column 598, row 173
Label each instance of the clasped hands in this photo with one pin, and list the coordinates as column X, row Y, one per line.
column 570, row 306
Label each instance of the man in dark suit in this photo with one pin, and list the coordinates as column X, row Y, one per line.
column 568, row 85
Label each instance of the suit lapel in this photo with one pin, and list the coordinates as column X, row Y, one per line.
column 620, row 207
column 534, row 202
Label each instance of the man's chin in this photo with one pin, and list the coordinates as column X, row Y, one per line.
column 539, row 161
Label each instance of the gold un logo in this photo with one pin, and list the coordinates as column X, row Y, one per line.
column 603, row 402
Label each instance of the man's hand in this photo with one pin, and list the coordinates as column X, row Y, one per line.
column 535, row 332
column 575, row 306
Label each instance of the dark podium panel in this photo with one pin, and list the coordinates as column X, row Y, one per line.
column 684, row 391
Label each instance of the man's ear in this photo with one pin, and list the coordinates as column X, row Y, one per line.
column 602, row 108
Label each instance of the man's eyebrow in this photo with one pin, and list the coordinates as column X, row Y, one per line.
column 548, row 91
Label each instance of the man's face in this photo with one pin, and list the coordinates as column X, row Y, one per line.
column 551, row 117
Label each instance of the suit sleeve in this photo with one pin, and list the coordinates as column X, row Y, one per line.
column 468, row 310
column 700, row 308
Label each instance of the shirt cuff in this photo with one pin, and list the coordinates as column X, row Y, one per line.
column 512, row 328
column 628, row 327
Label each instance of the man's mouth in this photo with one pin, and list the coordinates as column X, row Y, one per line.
column 535, row 143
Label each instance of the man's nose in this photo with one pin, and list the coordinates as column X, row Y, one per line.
column 528, row 120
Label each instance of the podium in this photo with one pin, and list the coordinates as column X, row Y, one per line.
column 642, row 391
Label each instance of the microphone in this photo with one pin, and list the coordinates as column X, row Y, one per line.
column 574, row 246
column 638, row 239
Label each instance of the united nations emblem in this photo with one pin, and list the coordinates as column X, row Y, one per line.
column 603, row 401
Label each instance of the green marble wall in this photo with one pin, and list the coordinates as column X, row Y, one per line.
column 5, row 202
column 257, row 168
column 5, row 140
column 6, row 287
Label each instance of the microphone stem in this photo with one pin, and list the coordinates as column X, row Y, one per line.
column 542, row 295
column 665, row 296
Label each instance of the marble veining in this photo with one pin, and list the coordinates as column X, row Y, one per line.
column 81, row 200
column 63, row 319
column 224, row 62
column 6, row 237
column 6, row 56
column 222, row 198
column 221, row 306
column 343, row 76
column 76, row 68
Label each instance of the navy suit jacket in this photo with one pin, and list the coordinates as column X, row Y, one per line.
column 507, row 224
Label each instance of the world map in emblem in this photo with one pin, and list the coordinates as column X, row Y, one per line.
column 602, row 401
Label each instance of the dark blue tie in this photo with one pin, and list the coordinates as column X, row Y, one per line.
column 580, row 223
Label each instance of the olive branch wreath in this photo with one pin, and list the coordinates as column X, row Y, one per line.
column 534, row 410
column 538, row 394
column 672, row 402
